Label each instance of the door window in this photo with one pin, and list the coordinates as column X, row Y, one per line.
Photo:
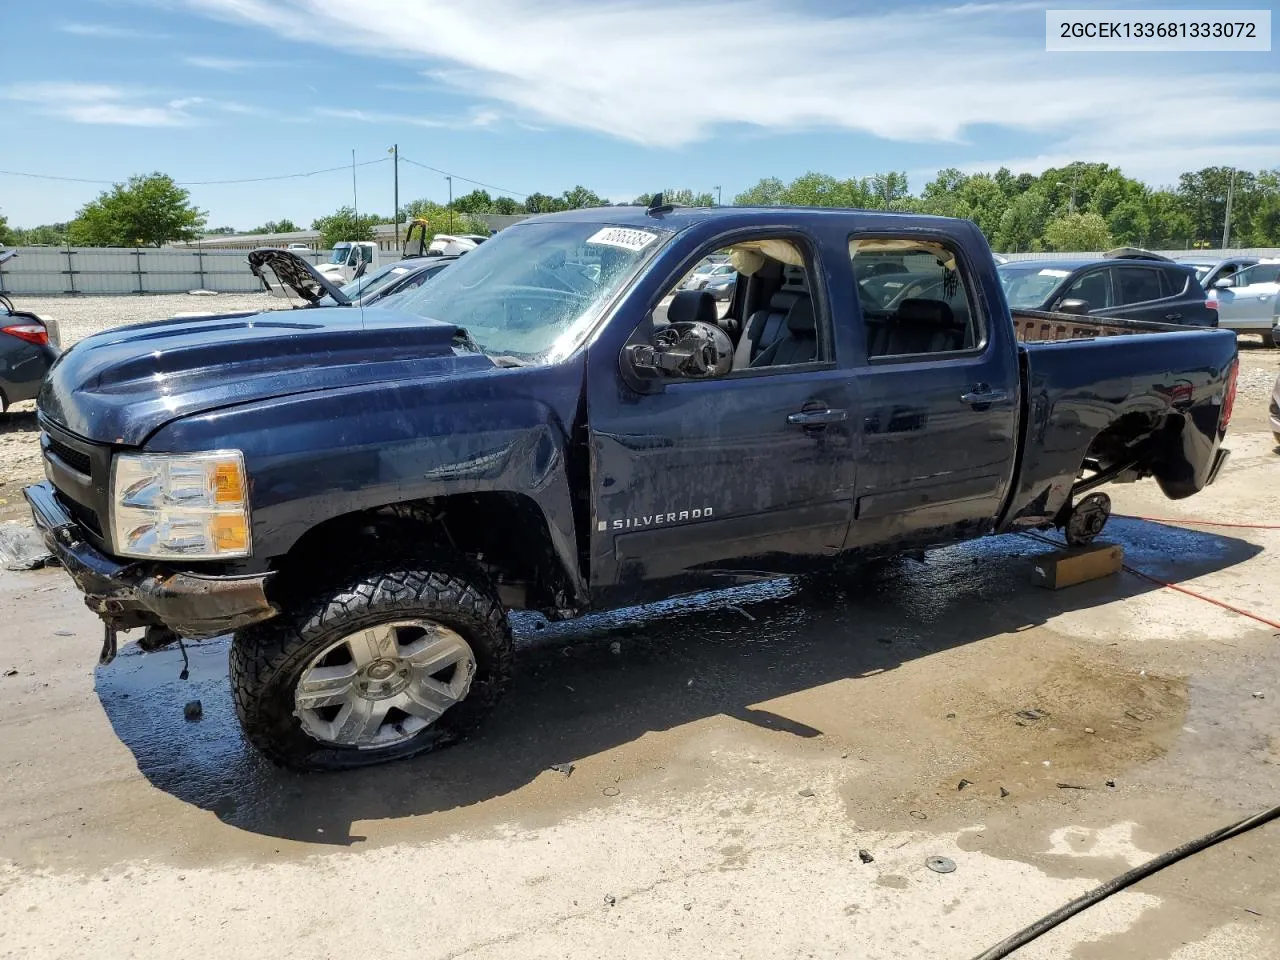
column 777, row 324
column 915, row 297
column 1094, row 288
column 1259, row 273
column 1137, row 285
column 1175, row 281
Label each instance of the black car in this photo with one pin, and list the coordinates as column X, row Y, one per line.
column 1130, row 288
column 28, row 347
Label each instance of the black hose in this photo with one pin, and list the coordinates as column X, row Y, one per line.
column 1065, row 912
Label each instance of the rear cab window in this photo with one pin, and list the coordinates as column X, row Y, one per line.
column 916, row 297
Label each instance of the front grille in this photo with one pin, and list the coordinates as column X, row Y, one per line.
column 77, row 461
column 86, row 516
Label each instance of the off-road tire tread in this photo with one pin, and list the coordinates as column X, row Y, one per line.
column 265, row 658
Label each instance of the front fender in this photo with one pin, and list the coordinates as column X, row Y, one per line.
column 317, row 456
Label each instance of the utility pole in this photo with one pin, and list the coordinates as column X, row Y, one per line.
column 1226, row 225
column 450, row 179
column 395, row 164
column 355, row 200
column 718, row 197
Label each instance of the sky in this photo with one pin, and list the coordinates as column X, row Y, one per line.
column 624, row 97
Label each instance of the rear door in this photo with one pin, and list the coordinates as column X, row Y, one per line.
column 1140, row 295
column 939, row 385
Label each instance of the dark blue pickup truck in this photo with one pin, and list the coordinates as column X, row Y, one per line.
column 553, row 424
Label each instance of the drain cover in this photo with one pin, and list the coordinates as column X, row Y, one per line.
column 940, row 865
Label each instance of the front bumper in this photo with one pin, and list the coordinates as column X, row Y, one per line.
column 140, row 593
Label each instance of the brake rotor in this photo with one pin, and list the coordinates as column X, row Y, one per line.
column 1087, row 519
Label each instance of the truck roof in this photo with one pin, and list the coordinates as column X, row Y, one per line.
column 682, row 217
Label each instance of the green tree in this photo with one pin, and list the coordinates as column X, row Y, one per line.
column 767, row 193
column 890, row 191
column 439, row 219
column 1077, row 232
column 506, row 206
column 6, row 235
column 1023, row 222
column 343, row 224
column 277, row 226
column 580, row 197
column 220, row 231
column 1170, row 224
column 541, row 203
column 477, row 201
column 148, row 210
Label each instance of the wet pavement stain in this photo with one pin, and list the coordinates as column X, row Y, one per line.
column 678, row 662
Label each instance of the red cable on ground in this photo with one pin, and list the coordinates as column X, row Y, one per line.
column 1201, row 596
column 1201, row 523
column 1172, row 586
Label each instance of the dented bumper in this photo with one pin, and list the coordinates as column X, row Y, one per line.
column 138, row 593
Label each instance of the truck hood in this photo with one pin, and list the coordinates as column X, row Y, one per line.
column 122, row 385
column 283, row 272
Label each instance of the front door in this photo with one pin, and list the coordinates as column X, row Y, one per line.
column 708, row 483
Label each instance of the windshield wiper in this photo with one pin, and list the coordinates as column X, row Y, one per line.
column 505, row 360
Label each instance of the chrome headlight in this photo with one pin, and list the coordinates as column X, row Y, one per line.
column 169, row 505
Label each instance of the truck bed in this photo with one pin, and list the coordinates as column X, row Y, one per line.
column 1035, row 325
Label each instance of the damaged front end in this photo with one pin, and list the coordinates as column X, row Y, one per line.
column 134, row 594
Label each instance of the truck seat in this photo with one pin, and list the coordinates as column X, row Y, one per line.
column 800, row 342
column 917, row 326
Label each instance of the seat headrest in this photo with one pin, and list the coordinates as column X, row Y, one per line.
column 794, row 279
column 783, row 300
column 800, row 317
column 922, row 312
column 689, row 305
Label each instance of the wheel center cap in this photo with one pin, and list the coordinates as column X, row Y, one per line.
column 381, row 670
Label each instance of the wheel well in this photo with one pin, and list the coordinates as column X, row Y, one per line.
column 499, row 537
column 1126, row 438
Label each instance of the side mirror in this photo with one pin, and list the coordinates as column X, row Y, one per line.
column 690, row 350
column 1074, row 305
column 1224, row 284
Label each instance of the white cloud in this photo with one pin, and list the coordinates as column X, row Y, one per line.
column 99, row 103
column 925, row 73
column 106, row 31
column 478, row 118
column 223, row 64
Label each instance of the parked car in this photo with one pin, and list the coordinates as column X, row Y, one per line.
column 28, row 348
column 1247, row 300
column 285, row 274
column 299, row 247
column 707, row 271
column 1130, row 289
column 1209, row 270
column 362, row 495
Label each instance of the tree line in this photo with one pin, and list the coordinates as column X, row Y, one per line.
column 1082, row 206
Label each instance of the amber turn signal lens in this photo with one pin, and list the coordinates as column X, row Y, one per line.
column 229, row 532
column 228, row 483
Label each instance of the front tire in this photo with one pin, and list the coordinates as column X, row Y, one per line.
column 386, row 666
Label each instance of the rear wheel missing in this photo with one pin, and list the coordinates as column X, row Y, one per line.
column 1087, row 519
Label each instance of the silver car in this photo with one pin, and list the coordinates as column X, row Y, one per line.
column 1247, row 300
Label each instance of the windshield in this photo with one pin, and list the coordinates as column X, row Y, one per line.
column 339, row 254
column 535, row 290
column 1028, row 285
column 1202, row 272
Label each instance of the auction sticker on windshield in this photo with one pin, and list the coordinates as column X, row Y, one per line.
column 1050, row 272
column 623, row 237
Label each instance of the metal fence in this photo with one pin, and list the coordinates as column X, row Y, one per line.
column 123, row 270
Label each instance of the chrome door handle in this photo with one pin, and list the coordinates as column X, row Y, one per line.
column 815, row 418
column 1173, row 316
column 982, row 397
